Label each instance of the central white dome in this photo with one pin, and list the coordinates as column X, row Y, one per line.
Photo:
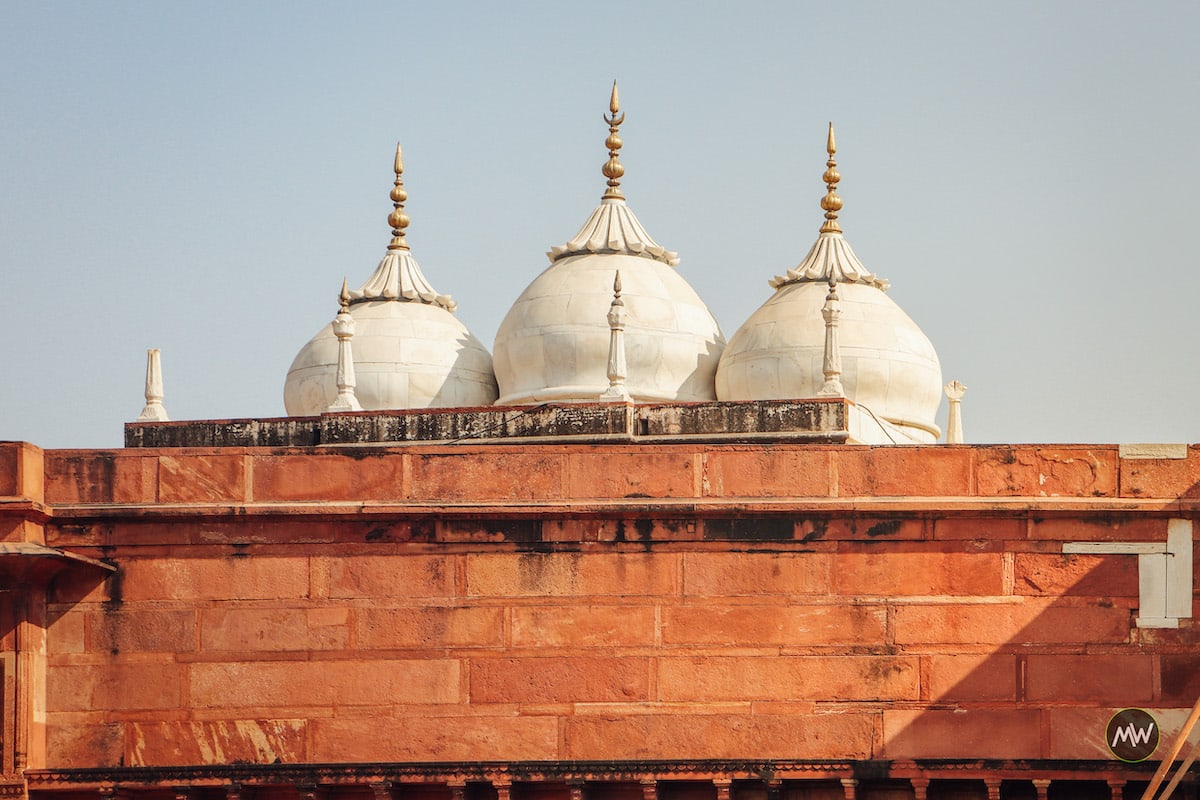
column 553, row 343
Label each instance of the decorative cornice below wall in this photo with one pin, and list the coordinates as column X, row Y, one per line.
column 396, row 775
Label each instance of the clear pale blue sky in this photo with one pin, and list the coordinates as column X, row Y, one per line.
column 199, row 177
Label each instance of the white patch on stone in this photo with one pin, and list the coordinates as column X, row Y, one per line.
column 1164, row 573
column 1148, row 451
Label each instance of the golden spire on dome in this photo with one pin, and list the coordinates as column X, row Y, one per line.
column 612, row 168
column 831, row 203
column 398, row 219
column 344, row 297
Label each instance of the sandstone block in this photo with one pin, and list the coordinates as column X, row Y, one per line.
column 631, row 473
column 1012, row 624
column 1054, row 574
column 325, row 683
column 638, row 529
column 488, row 475
column 569, row 627
column 860, row 528
column 903, row 471
column 22, row 471
column 490, row 530
column 82, row 586
column 995, row 529
column 114, row 686
column 774, row 625
column 975, row 733
column 767, row 472
column 429, row 627
column 1046, row 471
column 579, row 679
column 125, row 630
column 1120, row 680
column 723, row 574
column 200, row 478
column 701, row 735
column 265, row 629
column 472, row 737
column 253, row 741
column 1166, row 477
column 1127, row 529
column 893, row 573
column 82, row 741
column 380, row 576
column 97, row 476
column 1180, row 678
column 228, row 578
column 22, row 530
column 328, row 628
column 571, row 574
column 66, row 634
column 972, row 678
column 846, row 678
column 344, row 476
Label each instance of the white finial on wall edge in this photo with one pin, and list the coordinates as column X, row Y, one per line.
column 154, row 410
column 954, row 428
column 343, row 329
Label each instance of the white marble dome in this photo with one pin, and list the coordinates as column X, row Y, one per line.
column 408, row 348
column 406, row 355
column 888, row 366
column 552, row 346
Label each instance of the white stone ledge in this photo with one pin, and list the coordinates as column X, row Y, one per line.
column 1115, row 548
column 1149, row 451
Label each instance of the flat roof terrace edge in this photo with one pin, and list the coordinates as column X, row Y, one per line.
column 817, row 420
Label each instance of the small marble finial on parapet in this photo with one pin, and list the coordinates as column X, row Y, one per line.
column 154, row 411
column 613, row 169
column 832, row 364
column 398, row 219
column 954, row 429
column 343, row 329
column 616, row 348
column 831, row 203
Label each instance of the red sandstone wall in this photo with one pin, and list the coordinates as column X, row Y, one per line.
column 576, row 472
column 619, row 602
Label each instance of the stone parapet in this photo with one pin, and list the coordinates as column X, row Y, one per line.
column 803, row 420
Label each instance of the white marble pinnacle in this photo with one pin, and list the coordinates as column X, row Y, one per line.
column 343, row 329
column 617, row 371
column 831, row 366
column 154, row 410
column 954, row 429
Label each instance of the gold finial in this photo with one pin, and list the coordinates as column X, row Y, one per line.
column 344, row 297
column 398, row 219
column 612, row 168
column 831, row 203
